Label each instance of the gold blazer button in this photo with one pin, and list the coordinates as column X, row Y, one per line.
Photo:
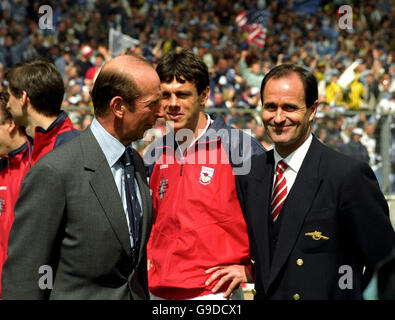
column 299, row 262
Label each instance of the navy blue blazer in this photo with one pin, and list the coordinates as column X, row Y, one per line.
column 334, row 222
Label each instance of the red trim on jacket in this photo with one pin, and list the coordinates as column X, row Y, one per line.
column 46, row 140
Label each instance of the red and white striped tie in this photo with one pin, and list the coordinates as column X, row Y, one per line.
column 280, row 190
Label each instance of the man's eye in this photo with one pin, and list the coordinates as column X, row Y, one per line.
column 182, row 95
column 289, row 108
column 270, row 107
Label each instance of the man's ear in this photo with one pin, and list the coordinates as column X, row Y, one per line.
column 11, row 126
column 24, row 99
column 117, row 107
column 204, row 96
column 313, row 110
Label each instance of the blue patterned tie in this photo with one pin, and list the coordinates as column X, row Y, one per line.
column 133, row 205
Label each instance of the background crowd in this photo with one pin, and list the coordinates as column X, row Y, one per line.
column 355, row 67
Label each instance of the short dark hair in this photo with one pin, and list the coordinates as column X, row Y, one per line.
column 309, row 81
column 109, row 84
column 185, row 64
column 5, row 114
column 42, row 82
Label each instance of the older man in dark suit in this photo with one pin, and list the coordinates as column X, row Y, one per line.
column 84, row 213
column 316, row 218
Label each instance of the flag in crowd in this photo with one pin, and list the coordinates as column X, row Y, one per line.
column 255, row 23
column 119, row 41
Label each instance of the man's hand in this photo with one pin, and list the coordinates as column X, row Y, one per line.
column 235, row 273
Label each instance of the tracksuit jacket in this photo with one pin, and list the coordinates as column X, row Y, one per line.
column 198, row 222
column 59, row 132
column 12, row 171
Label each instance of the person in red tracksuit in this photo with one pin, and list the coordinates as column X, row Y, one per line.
column 199, row 246
column 14, row 162
column 36, row 92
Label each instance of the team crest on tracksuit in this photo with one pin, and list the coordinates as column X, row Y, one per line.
column 206, row 175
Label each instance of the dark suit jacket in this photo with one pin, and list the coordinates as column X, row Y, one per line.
column 332, row 194
column 69, row 216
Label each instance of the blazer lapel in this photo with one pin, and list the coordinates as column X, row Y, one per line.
column 104, row 188
column 296, row 206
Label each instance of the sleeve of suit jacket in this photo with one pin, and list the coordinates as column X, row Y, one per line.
column 366, row 215
column 33, row 242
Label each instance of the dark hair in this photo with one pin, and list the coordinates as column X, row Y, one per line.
column 42, row 82
column 309, row 81
column 185, row 64
column 109, row 84
column 5, row 114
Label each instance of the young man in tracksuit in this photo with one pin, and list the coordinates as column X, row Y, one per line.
column 36, row 92
column 199, row 245
column 15, row 154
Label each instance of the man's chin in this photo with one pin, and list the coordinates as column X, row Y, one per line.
column 280, row 139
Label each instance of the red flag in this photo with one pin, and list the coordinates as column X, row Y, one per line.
column 255, row 24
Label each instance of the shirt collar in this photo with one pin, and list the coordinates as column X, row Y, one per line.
column 208, row 123
column 59, row 119
column 112, row 148
column 295, row 159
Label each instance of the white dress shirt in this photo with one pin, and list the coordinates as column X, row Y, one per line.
column 294, row 162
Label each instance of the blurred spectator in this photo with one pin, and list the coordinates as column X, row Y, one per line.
column 387, row 105
column 355, row 148
column 84, row 61
column 63, row 61
column 93, row 71
column 334, row 94
column 311, row 38
column 371, row 89
column 354, row 95
column 253, row 75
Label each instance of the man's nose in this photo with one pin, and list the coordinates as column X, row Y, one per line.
column 173, row 100
column 160, row 113
column 279, row 116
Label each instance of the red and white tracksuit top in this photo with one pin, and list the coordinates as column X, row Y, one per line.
column 198, row 222
column 12, row 171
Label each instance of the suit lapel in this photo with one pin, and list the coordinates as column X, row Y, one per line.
column 296, row 206
column 104, row 188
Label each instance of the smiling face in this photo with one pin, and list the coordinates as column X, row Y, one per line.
column 183, row 106
column 285, row 115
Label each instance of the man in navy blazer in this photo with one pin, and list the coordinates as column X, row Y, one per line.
column 318, row 229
